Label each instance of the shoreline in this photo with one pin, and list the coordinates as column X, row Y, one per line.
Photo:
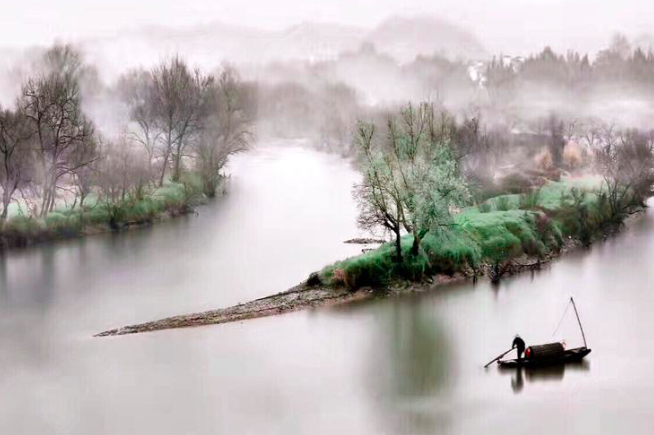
column 306, row 296
column 10, row 241
column 163, row 204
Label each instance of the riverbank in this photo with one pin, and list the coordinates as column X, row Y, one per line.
column 499, row 243
column 97, row 216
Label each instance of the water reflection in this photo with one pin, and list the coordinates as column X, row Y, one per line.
column 403, row 365
column 519, row 376
column 410, row 366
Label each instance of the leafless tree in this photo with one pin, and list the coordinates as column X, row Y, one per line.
column 84, row 159
column 121, row 177
column 137, row 92
column 51, row 102
column 15, row 156
column 626, row 161
column 180, row 100
column 227, row 130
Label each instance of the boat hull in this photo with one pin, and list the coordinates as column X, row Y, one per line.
column 571, row 355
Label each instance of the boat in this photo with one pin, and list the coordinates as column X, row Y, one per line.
column 547, row 354
column 570, row 355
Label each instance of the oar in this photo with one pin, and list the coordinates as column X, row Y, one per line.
column 495, row 359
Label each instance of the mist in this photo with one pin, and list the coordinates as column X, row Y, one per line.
column 317, row 79
column 385, row 171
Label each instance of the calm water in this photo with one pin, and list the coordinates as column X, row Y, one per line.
column 404, row 365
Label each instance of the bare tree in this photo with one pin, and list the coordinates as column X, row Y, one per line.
column 626, row 161
column 137, row 91
column 227, row 130
column 15, row 156
column 51, row 102
column 84, row 159
column 121, row 177
column 180, row 100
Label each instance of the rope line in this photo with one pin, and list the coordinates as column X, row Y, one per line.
column 562, row 317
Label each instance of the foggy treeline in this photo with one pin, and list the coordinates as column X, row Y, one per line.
column 616, row 85
column 164, row 121
column 70, row 135
column 518, row 95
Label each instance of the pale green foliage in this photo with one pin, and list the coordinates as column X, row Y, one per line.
column 411, row 177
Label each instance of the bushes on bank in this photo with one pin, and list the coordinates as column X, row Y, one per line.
column 22, row 225
column 68, row 224
column 495, row 231
column 172, row 198
column 475, row 237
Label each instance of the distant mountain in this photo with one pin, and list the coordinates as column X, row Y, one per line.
column 404, row 38
column 207, row 45
column 314, row 41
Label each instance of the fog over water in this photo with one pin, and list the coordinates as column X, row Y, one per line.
column 401, row 365
column 276, row 98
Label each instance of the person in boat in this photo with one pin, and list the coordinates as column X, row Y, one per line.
column 519, row 343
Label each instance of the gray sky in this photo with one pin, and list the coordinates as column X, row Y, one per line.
column 516, row 26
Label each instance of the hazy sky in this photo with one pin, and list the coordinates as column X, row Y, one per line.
column 502, row 25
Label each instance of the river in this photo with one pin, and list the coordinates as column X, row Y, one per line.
column 406, row 365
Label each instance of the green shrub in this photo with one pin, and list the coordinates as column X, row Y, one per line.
column 22, row 224
column 530, row 201
column 63, row 224
column 475, row 237
column 451, row 251
column 98, row 214
column 141, row 211
column 503, row 203
column 515, row 183
column 374, row 268
column 484, row 207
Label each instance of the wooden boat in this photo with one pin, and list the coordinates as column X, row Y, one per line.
column 570, row 355
column 547, row 354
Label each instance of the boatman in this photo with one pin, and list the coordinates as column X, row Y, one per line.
column 520, row 344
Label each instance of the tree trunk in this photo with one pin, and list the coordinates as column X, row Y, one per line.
column 6, row 200
column 163, row 169
column 415, row 248
column 45, row 201
column 53, row 197
column 398, row 246
column 209, row 187
column 177, row 159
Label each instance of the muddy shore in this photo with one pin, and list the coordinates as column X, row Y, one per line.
column 315, row 295
column 307, row 296
column 302, row 296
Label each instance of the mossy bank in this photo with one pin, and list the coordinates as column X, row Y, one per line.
column 501, row 236
column 99, row 216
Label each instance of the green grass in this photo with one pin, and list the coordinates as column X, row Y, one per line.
column 494, row 231
column 68, row 221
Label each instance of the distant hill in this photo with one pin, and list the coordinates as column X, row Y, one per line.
column 314, row 41
column 404, row 38
column 207, row 45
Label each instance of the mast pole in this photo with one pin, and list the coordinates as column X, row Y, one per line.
column 579, row 321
